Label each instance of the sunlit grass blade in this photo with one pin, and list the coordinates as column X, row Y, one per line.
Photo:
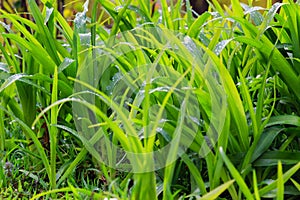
column 215, row 193
column 119, row 17
column 296, row 184
column 195, row 28
column 39, row 54
column 146, row 7
column 280, row 183
column 166, row 15
column 255, row 186
column 237, row 8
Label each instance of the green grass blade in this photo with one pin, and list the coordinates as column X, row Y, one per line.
column 286, row 176
column 293, row 20
column 237, row 8
column 67, row 30
column 296, row 184
column 195, row 173
column 270, row 158
column 119, row 17
column 236, row 175
column 255, row 186
column 12, row 79
column 37, row 143
column 280, row 183
column 2, row 130
column 215, row 193
column 166, row 15
column 234, row 101
column 37, row 51
column 53, row 130
column 145, row 7
column 248, row 101
column 284, row 119
column 195, row 28
column 46, row 36
column 264, row 142
column 79, row 157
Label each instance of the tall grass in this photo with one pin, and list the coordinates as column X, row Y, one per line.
column 158, row 107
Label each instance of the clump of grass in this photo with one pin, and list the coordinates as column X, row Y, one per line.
column 191, row 108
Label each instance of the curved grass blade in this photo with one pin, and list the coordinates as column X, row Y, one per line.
column 215, row 193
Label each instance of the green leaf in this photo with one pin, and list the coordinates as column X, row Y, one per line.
column 47, row 38
column 236, row 175
column 265, row 141
column 284, row 120
column 255, row 186
column 12, row 79
column 270, row 158
column 237, row 8
column 215, row 193
column 296, row 184
column 280, row 183
column 286, row 176
column 195, row 28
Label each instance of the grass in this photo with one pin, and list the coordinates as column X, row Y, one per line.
column 160, row 106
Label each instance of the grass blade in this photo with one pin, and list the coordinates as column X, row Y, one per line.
column 286, row 176
column 215, row 193
column 296, row 184
column 280, row 183
column 236, row 175
column 37, row 143
column 256, row 193
column 53, row 130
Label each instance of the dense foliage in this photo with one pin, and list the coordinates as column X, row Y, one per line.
column 85, row 100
